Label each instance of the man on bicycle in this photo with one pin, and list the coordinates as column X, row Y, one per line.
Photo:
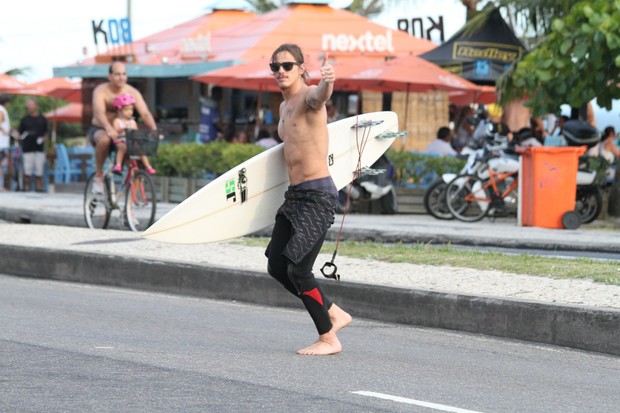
column 101, row 133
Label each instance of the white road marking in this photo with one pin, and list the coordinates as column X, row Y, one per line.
column 104, row 348
column 441, row 407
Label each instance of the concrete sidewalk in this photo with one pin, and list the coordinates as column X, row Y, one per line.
column 444, row 297
column 66, row 209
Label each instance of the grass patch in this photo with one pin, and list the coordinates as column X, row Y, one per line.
column 606, row 272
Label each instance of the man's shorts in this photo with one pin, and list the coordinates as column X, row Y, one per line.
column 91, row 134
column 34, row 162
column 91, row 137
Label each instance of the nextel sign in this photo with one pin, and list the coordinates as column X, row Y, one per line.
column 367, row 42
column 119, row 31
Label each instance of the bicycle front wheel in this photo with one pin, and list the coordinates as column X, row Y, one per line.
column 435, row 200
column 97, row 208
column 467, row 198
column 140, row 202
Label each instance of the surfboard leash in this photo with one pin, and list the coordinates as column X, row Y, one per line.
column 330, row 269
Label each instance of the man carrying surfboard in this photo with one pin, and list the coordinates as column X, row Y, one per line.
column 310, row 201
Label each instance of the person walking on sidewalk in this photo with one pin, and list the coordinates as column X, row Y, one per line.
column 302, row 221
column 102, row 133
column 5, row 140
column 33, row 129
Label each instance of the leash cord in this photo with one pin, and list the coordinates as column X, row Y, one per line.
column 361, row 145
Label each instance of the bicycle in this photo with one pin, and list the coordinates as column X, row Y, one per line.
column 471, row 197
column 135, row 197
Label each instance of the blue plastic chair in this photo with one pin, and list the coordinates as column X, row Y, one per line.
column 64, row 170
column 76, row 163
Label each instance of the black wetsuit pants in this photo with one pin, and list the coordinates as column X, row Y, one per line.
column 298, row 278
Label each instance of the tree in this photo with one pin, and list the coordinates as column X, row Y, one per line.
column 367, row 8
column 362, row 7
column 263, row 6
column 533, row 17
column 579, row 60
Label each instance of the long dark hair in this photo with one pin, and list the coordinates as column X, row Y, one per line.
column 296, row 52
column 609, row 131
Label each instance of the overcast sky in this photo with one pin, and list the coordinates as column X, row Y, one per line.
column 46, row 34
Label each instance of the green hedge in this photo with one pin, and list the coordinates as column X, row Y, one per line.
column 195, row 160
column 413, row 168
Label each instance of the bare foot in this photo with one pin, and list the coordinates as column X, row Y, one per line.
column 339, row 318
column 327, row 344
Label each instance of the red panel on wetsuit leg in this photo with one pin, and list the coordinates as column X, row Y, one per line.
column 316, row 294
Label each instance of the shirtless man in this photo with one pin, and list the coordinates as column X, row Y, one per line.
column 310, row 201
column 101, row 133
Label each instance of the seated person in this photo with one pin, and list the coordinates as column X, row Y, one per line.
column 607, row 149
column 441, row 145
column 265, row 140
column 494, row 114
column 102, row 133
column 124, row 121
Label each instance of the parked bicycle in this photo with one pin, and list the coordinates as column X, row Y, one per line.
column 470, row 197
column 477, row 153
column 133, row 194
column 492, row 191
column 435, row 194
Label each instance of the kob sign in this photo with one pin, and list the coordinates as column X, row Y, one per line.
column 114, row 31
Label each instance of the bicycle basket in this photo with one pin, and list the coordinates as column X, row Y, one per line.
column 142, row 142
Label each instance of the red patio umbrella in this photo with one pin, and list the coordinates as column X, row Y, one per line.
column 57, row 87
column 410, row 73
column 252, row 75
column 60, row 88
column 487, row 94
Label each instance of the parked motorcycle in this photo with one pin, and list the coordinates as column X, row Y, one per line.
column 589, row 200
column 375, row 184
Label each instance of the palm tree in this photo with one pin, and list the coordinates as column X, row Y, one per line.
column 532, row 16
column 365, row 8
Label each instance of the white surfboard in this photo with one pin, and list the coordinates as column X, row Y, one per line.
column 245, row 199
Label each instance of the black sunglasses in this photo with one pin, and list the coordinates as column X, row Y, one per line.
column 288, row 66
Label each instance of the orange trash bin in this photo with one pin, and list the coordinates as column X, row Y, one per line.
column 548, row 184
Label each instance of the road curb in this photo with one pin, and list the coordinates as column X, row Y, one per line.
column 583, row 328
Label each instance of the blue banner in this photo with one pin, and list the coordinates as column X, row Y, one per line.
column 208, row 115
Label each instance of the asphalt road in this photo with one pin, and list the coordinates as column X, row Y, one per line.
column 76, row 348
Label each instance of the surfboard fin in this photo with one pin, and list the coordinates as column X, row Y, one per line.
column 367, row 124
column 390, row 135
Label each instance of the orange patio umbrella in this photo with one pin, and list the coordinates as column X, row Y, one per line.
column 9, row 84
column 317, row 29
column 69, row 113
column 188, row 42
